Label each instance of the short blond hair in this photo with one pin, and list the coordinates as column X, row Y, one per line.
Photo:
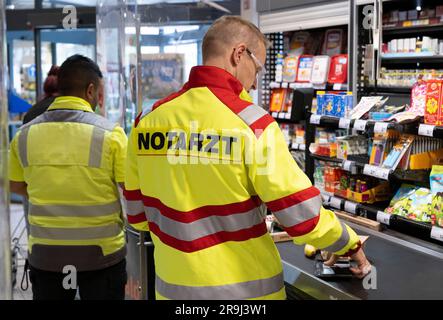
column 229, row 30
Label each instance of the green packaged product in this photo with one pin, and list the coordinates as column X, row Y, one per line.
column 436, row 178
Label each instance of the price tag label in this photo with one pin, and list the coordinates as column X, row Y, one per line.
column 374, row 171
column 284, row 85
column 344, row 123
column 381, row 127
column 437, row 233
column 426, row 130
column 336, row 86
column 383, row 217
column 274, row 114
column 295, row 146
column 335, row 203
column 274, row 85
column 287, row 115
column 281, row 115
column 325, row 198
column 351, row 207
column 302, row 147
column 315, row 119
column 360, row 125
column 347, row 165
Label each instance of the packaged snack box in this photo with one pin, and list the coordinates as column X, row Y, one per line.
column 305, row 68
column 433, row 103
column 320, row 102
column 329, row 108
column 290, row 66
column 320, row 69
column 338, row 71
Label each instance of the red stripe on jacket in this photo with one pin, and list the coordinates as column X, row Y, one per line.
column 293, row 199
column 209, row 240
column 195, row 214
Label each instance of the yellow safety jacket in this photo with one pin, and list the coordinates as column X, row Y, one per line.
column 201, row 165
column 71, row 160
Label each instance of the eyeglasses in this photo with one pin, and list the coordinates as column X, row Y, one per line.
column 261, row 68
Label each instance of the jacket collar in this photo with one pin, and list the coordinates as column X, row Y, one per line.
column 210, row 76
column 71, row 103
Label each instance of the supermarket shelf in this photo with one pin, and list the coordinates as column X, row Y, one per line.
column 354, row 167
column 297, row 147
column 387, row 89
column 421, row 230
column 328, row 159
column 307, row 85
column 372, row 126
column 423, row 57
column 413, row 29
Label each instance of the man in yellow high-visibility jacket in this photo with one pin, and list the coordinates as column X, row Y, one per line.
column 68, row 161
column 201, row 165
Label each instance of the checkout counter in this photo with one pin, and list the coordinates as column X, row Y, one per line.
column 406, row 268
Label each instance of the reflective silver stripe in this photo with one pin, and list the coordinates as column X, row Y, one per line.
column 107, row 231
column 236, row 291
column 251, row 114
column 299, row 212
column 134, row 207
column 79, row 116
column 23, row 146
column 57, row 210
column 96, row 148
column 341, row 242
column 203, row 227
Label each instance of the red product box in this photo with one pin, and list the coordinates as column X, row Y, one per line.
column 338, row 70
column 433, row 113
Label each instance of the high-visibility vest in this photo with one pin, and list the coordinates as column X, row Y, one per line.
column 201, row 165
column 71, row 160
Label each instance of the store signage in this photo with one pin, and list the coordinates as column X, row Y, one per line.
column 344, row 123
column 360, row 125
column 437, row 233
column 426, row 130
column 377, row 172
column 383, row 217
column 315, row 119
column 381, row 127
column 351, row 207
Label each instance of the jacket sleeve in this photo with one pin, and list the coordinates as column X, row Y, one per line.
column 289, row 194
column 119, row 143
column 135, row 211
column 15, row 168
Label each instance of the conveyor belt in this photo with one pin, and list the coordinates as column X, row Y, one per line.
column 404, row 271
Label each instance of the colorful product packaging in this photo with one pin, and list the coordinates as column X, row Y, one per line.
column 338, row 71
column 305, row 68
column 320, row 102
column 433, row 113
column 290, row 66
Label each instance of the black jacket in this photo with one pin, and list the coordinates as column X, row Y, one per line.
column 37, row 109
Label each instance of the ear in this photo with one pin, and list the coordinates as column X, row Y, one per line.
column 238, row 52
column 90, row 91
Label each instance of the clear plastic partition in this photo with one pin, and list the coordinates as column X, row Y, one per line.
column 147, row 48
column 117, row 45
column 5, row 241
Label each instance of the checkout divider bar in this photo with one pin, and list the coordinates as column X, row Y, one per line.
column 420, row 230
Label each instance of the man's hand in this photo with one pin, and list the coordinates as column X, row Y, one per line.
column 363, row 265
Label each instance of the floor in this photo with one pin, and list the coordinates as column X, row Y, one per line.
column 20, row 239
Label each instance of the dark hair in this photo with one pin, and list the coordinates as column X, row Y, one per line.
column 50, row 87
column 76, row 73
